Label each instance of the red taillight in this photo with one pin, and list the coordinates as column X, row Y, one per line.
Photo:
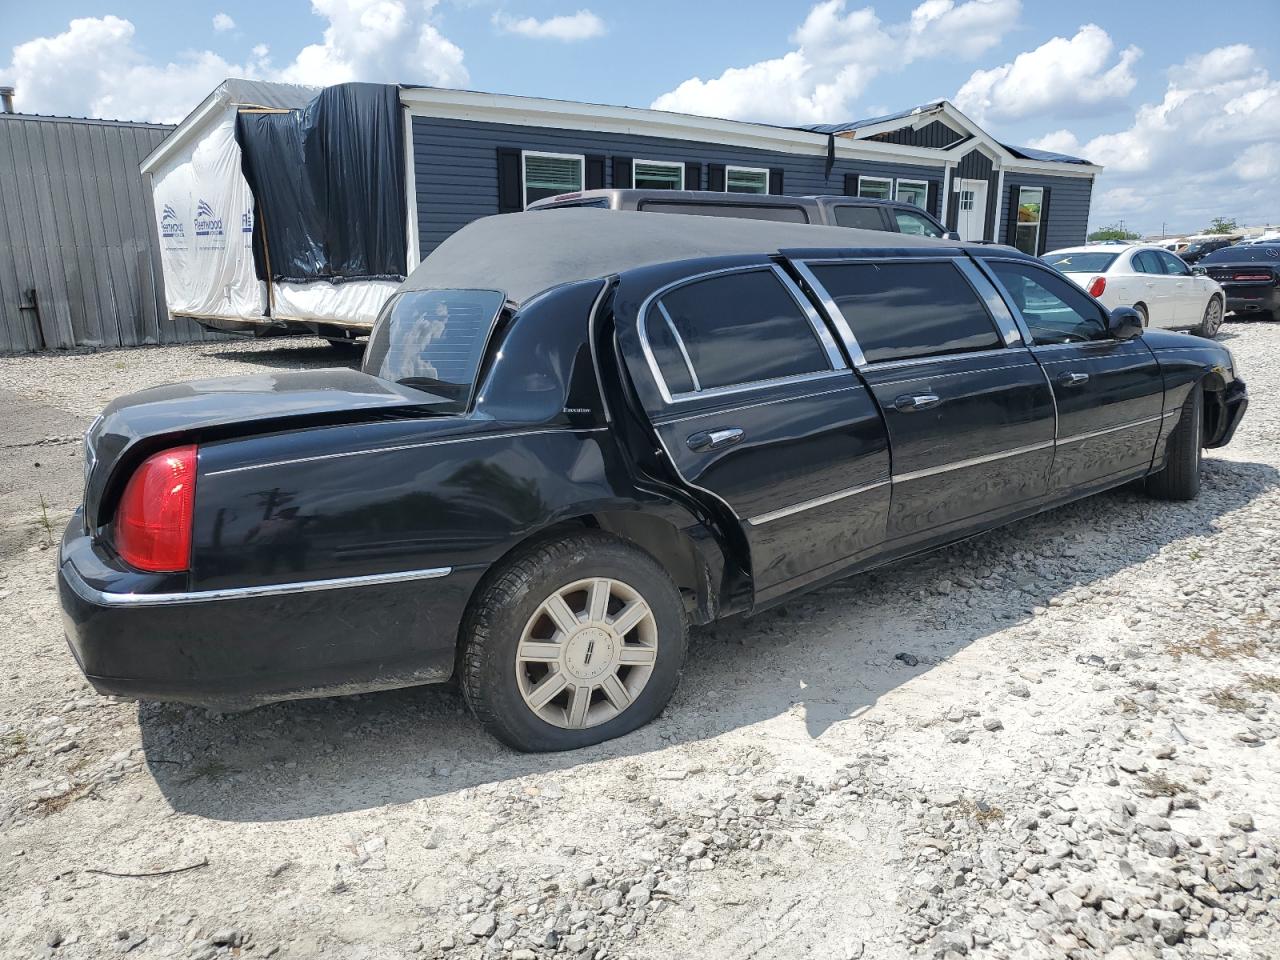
column 1097, row 285
column 153, row 521
column 1252, row 276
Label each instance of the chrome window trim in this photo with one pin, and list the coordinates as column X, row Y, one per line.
column 109, row 599
column 836, row 361
column 1017, row 351
column 1118, row 427
column 664, row 421
column 860, row 362
column 972, row 461
column 991, row 299
column 403, row 446
column 815, row 502
column 679, row 342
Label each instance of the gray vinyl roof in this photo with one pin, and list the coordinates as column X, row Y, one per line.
column 523, row 254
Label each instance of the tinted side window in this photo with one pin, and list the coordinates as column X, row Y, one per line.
column 1055, row 310
column 738, row 328
column 864, row 217
column 911, row 222
column 1144, row 261
column 742, row 210
column 901, row 310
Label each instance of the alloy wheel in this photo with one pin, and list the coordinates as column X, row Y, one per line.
column 587, row 653
column 1212, row 317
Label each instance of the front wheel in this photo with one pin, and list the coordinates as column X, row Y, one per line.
column 1211, row 322
column 1179, row 479
column 571, row 642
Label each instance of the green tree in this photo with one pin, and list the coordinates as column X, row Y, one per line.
column 1221, row 225
column 1114, row 232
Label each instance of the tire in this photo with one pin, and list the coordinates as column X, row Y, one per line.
column 508, row 616
column 1180, row 477
column 1142, row 312
column 1211, row 322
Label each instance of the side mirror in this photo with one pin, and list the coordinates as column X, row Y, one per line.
column 1124, row 323
column 951, row 235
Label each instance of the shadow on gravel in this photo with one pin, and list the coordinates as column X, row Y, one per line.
column 307, row 355
column 829, row 655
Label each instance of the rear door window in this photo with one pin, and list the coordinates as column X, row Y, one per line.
column 902, row 310
column 434, row 340
column 728, row 330
column 862, row 216
column 909, row 221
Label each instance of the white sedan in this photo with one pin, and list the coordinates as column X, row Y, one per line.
column 1152, row 280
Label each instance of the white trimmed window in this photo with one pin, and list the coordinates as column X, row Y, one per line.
column 746, row 180
column 657, row 175
column 875, row 188
column 915, row 192
column 551, row 174
column 1027, row 237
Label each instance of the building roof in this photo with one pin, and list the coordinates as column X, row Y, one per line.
column 1031, row 153
column 542, row 249
column 851, row 125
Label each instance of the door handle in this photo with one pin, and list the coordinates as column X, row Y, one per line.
column 714, row 439
column 910, row 403
column 1073, row 379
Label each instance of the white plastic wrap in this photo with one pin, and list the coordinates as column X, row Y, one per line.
column 205, row 221
column 354, row 302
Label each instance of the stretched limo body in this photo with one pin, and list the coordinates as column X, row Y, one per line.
column 574, row 435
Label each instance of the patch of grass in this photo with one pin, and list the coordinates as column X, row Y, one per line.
column 1262, row 683
column 215, row 771
column 1158, row 785
column 980, row 811
column 14, row 745
column 1214, row 646
column 53, row 805
column 1225, row 698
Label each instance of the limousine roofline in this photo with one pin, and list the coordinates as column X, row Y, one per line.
column 537, row 252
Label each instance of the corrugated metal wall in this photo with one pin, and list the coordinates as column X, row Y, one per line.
column 456, row 166
column 79, row 262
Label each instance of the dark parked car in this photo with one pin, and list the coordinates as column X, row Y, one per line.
column 574, row 435
column 1250, row 276
column 862, row 213
column 1198, row 249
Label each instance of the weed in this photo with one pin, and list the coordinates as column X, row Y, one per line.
column 1262, row 683
column 44, row 523
column 1224, row 698
column 1158, row 785
column 51, row 805
column 1213, row 646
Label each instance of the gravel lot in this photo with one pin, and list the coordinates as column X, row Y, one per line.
column 1057, row 740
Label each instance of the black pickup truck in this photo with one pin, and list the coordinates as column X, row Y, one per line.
column 575, row 435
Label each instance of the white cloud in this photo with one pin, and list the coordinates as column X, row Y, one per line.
column 837, row 54
column 222, row 22
column 1061, row 75
column 583, row 25
column 1209, row 147
column 95, row 68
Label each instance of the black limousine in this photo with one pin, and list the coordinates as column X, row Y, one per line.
column 575, row 435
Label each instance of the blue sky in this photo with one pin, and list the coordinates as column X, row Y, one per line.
column 1098, row 88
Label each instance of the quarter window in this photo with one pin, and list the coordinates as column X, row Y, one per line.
column 877, row 188
column 905, row 310
column 1055, row 311
column 746, row 180
column 732, row 329
column 551, row 174
column 862, row 217
column 915, row 192
column 656, row 175
column 1027, row 231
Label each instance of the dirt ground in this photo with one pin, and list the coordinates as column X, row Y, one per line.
column 1056, row 740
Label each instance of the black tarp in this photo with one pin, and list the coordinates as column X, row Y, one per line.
column 328, row 184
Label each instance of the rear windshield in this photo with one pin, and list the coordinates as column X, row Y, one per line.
column 1080, row 262
column 434, row 340
column 1246, row 253
column 745, row 211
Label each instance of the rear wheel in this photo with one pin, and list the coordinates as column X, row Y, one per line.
column 1211, row 322
column 572, row 642
column 1180, row 477
column 1142, row 312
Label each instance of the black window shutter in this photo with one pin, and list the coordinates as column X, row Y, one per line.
column 715, row 177
column 775, row 181
column 510, row 189
column 932, row 200
column 850, row 184
column 1044, row 223
column 595, row 173
column 693, row 176
column 622, row 173
column 1011, row 218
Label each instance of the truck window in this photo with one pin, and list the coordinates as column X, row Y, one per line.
column 749, row 211
column 863, row 217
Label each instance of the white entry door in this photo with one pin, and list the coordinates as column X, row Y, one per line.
column 971, row 209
